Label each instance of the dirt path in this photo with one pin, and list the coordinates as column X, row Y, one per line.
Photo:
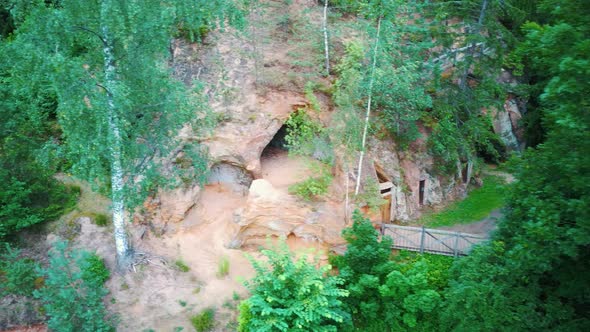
column 483, row 227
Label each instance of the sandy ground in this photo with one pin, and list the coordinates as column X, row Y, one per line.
column 281, row 170
column 162, row 298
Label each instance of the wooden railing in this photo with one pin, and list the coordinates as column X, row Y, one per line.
column 434, row 241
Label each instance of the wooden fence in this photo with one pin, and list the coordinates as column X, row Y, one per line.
column 434, row 241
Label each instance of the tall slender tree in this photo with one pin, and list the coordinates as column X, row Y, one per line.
column 118, row 106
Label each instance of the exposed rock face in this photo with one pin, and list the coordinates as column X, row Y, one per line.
column 232, row 176
column 252, row 126
column 506, row 125
column 506, row 121
column 408, row 171
column 272, row 212
column 167, row 208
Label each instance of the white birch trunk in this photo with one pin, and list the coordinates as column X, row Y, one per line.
column 368, row 114
column 115, row 146
column 347, row 195
column 326, row 48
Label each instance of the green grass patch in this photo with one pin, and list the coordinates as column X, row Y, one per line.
column 476, row 206
column 181, row 266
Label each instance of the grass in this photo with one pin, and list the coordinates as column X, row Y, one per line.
column 204, row 320
column 476, row 206
column 181, row 266
column 223, row 267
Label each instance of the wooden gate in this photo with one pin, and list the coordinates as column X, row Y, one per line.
column 434, row 241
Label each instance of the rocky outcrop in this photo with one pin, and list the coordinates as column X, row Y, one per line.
column 506, row 125
column 273, row 212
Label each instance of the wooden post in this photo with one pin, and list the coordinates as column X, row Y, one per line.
column 422, row 240
column 456, row 244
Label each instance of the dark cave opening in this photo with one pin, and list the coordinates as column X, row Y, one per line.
column 278, row 144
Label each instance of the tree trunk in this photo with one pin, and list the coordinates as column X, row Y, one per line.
column 368, row 114
column 326, row 48
column 115, row 145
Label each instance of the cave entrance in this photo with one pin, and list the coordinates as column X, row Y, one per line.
column 280, row 169
column 385, row 187
column 277, row 145
column 421, row 192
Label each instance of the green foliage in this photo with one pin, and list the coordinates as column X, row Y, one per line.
column 73, row 293
column 389, row 295
column 223, row 267
column 439, row 266
column 371, row 195
column 204, row 321
column 306, row 137
column 364, row 268
column 290, row 295
column 347, row 126
column 100, row 219
column 244, row 317
column 93, row 269
column 181, row 265
column 313, row 187
column 477, row 205
column 17, row 275
column 310, row 96
column 411, row 300
column 533, row 275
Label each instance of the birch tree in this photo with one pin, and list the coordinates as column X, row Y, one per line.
column 118, row 107
column 391, row 84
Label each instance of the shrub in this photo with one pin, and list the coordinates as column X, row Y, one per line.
column 31, row 201
column 73, row 293
column 17, row 275
column 93, row 269
column 313, row 187
column 290, row 295
column 204, row 320
column 100, row 219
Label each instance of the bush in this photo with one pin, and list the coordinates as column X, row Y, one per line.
column 290, row 295
column 73, row 293
column 364, row 268
column 17, row 275
column 204, row 320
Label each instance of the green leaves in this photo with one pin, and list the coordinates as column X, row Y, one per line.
column 73, row 292
column 292, row 295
